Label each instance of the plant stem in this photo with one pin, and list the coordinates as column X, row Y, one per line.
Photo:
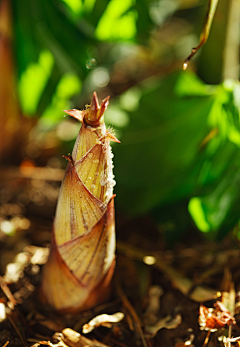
column 210, row 63
column 212, row 4
column 231, row 51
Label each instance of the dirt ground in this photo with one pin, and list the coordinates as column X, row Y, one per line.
column 157, row 291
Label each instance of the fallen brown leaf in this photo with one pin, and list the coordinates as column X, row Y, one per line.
column 215, row 318
column 103, row 319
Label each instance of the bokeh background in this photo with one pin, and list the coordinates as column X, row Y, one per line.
column 179, row 160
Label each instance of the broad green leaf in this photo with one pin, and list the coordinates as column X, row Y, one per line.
column 196, row 210
column 58, row 37
column 68, row 86
column 219, row 207
column 46, row 37
column 29, row 91
column 218, row 211
column 181, row 143
column 160, row 144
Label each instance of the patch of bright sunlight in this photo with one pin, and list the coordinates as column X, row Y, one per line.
column 33, row 81
column 115, row 23
column 74, row 5
column 197, row 214
column 68, row 86
column 116, row 117
column 234, row 136
column 7, row 227
column 2, row 312
column 236, row 94
column 149, row 260
column 229, row 84
column 100, row 77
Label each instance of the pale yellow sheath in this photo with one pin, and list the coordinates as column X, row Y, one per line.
column 82, row 258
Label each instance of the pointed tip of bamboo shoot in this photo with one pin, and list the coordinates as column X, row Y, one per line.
column 95, row 112
column 104, row 105
column 93, row 109
column 92, row 116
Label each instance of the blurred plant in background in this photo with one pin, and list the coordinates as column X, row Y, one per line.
column 179, row 159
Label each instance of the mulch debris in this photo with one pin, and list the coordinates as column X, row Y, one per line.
column 188, row 295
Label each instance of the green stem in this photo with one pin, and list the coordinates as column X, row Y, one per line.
column 212, row 4
column 231, row 51
column 210, row 64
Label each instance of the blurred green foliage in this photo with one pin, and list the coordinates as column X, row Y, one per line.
column 182, row 142
column 179, row 156
column 57, row 41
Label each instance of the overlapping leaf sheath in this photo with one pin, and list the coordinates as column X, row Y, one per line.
column 82, row 257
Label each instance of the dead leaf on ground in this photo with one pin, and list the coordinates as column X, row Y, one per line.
column 52, row 324
column 152, row 311
column 182, row 283
column 72, row 338
column 104, row 320
column 215, row 318
column 167, row 322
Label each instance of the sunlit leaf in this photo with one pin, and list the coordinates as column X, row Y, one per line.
column 74, row 5
column 68, row 86
column 196, row 210
column 118, row 21
column 161, row 143
column 182, row 142
column 29, row 91
column 88, row 5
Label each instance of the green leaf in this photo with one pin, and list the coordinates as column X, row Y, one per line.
column 182, row 143
column 160, row 144
column 46, row 36
column 219, row 207
column 74, row 5
column 29, row 91
column 58, row 37
column 218, row 211
column 68, row 86
column 118, row 21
